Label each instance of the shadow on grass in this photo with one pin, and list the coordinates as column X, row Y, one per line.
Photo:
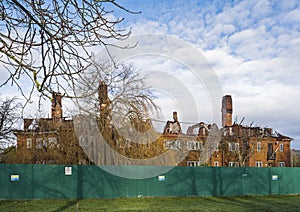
column 233, row 203
column 262, row 203
column 70, row 204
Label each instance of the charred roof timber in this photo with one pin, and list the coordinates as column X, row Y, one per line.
column 173, row 127
column 203, row 129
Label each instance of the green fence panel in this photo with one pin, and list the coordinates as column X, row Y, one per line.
column 19, row 181
column 22, row 189
column 51, row 182
column 255, row 181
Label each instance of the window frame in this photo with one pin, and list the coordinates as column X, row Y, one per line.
column 233, row 146
column 39, row 143
column 281, row 147
column 172, row 144
column 233, row 164
column 259, row 164
column 194, row 145
column 192, row 163
column 29, row 141
column 258, row 146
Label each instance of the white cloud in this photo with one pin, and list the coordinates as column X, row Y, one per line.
column 253, row 46
column 287, row 5
column 261, row 9
column 148, row 27
column 177, row 88
column 292, row 17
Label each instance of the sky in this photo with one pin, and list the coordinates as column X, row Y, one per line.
column 252, row 46
column 252, row 49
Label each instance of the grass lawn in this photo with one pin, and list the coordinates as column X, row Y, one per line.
column 245, row 203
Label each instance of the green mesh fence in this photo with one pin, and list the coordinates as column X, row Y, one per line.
column 53, row 181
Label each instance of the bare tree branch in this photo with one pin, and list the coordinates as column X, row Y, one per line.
column 9, row 116
column 48, row 42
column 129, row 96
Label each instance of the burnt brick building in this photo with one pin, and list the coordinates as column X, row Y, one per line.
column 232, row 145
column 53, row 140
column 49, row 140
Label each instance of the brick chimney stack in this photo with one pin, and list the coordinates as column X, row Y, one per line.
column 102, row 95
column 227, row 111
column 104, row 102
column 175, row 116
column 56, row 109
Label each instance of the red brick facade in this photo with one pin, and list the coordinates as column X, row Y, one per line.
column 202, row 145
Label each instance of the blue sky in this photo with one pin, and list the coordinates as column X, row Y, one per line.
column 252, row 46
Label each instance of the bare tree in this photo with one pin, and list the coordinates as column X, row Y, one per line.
column 295, row 158
column 124, row 93
column 9, row 116
column 48, row 42
column 118, row 97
